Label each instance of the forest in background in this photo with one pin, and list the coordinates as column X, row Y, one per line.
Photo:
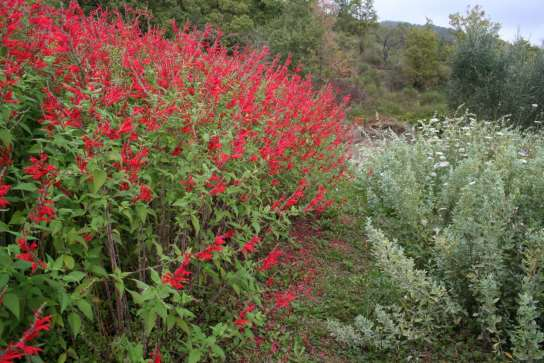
column 390, row 70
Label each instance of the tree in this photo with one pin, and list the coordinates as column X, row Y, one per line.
column 478, row 64
column 474, row 18
column 390, row 39
column 296, row 32
column 422, row 65
column 357, row 17
column 494, row 78
column 237, row 19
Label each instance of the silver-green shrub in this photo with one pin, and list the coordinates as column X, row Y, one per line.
column 463, row 202
column 425, row 306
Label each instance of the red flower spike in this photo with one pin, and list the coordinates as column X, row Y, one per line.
column 43, row 212
column 156, row 356
column 21, row 349
column 28, row 254
column 249, row 247
column 145, row 194
column 39, row 168
column 283, row 299
column 271, row 260
column 4, row 189
column 242, row 320
column 181, row 276
column 216, row 185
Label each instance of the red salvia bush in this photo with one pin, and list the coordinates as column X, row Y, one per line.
column 147, row 183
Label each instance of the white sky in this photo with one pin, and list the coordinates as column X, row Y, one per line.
column 525, row 15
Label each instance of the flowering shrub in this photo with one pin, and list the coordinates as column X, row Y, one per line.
column 463, row 202
column 144, row 181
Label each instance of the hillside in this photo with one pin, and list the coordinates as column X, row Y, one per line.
column 446, row 34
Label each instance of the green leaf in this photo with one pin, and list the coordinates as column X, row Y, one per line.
column 156, row 278
column 64, row 302
column 11, row 302
column 196, row 224
column 29, row 187
column 180, row 203
column 69, row 262
column 74, row 276
column 62, row 358
column 99, row 178
column 3, row 227
column 6, row 137
column 18, row 218
column 218, row 352
column 75, row 323
column 194, row 356
column 85, row 308
column 3, row 281
column 149, row 321
column 56, row 227
column 141, row 211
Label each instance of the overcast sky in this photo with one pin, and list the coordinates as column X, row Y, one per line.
column 525, row 15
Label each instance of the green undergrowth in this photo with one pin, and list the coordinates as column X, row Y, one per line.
column 348, row 283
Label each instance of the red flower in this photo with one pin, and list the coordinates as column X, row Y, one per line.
column 283, row 299
column 145, row 194
column 113, row 95
column 207, row 254
column 178, row 279
column 27, row 254
column 214, row 144
column 39, row 168
column 81, row 163
column 242, row 317
column 249, row 246
column 271, row 260
column 219, row 240
column 229, row 234
column 44, row 212
column 4, row 189
column 90, row 144
column 297, row 195
column 189, row 183
column 216, row 185
column 126, row 126
column 156, row 355
column 317, row 199
column 21, row 349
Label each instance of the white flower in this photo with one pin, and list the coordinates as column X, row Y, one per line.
column 534, row 105
column 442, row 164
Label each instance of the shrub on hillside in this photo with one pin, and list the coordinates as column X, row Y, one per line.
column 494, row 79
column 463, row 204
column 146, row 184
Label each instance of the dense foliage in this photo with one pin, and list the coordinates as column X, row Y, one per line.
column 493, row 78
column 456, row 227
column 146, row 186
